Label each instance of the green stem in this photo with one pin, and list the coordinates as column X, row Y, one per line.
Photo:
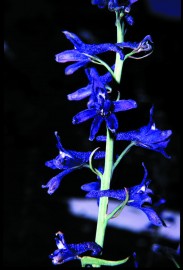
column 108, row 167
column 120, row 38
column 105, row 184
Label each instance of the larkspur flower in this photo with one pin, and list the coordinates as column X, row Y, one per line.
column 87, row 91
column 123, row 6
column 148, row 137
column 145, row 46
column 138, row 197
column 82, row 53
column 67, row 161
column 67, row 252
column 101, row 108
column 112, row 4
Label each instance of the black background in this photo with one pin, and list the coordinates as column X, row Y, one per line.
column 35, row 105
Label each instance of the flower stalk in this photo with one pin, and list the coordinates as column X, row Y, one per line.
column 108, row 168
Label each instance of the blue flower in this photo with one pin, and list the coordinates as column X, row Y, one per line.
column 114, row 4
column 117, row 5
column 138, row 197
column 67, row 252
column 148, row 137
column 144, row 45
column 67, row 161
column 82, row 52
column 101, row 108
column 87, row 91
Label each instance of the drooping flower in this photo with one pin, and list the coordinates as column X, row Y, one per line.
column 67, row 252
column 148, row 137
column 87, row 91
column 101, row 108
column 67, row 161
column 138, row 197
column 82, row 53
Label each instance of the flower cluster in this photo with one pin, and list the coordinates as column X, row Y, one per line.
column 102, row 107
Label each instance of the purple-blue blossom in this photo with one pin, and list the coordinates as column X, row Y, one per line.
column 123, row 6
column 67, row 161
column 138, row 197
column 145, row 45
column 67, row 252
column 117, row 6
column 101, row 108
column 148, row 137
column 114, row 4
column 87, row 90
column 82, row 52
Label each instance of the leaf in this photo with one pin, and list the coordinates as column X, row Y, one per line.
column 96, row 262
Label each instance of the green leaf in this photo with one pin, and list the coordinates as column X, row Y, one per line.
column 96, row 262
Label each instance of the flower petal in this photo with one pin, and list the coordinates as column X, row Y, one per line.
column 124, row 105
column 95, row 126
column 112, row 122
column 152, row 216
column 80, row 93
column 54, row 182
column 83, row 116
column 72, row 68
column 70, row 56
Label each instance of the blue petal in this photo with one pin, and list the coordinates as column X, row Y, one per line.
column 54, row 183
column 83, row 116
column 91, row 186
column 70, row 56
column 76, row 41
column 124, row 105
column 80, row 93
column 112, row 122
column 152, row 216
column 50, row 164
column 92, row 49
column 100, row 3
column 95, row 126
column 72, row 68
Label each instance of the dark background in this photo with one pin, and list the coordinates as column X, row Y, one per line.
column 35, row 105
